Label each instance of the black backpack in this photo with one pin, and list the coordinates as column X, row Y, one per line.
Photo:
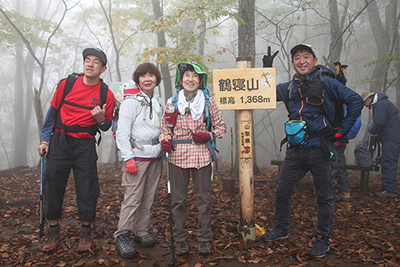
column 92, row 130
column 317, row 95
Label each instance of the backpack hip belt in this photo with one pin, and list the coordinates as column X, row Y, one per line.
column 141, row 143
column 92, row 130
column 207, row 143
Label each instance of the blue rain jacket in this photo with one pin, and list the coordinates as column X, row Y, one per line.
column 334, row 91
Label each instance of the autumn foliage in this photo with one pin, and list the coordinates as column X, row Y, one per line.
column 366, row 230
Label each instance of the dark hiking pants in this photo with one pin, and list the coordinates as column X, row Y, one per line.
column 83, row 161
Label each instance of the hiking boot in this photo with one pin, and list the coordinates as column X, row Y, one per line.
column 53, row 238
column 85, row 242
column 385, row 194
column 343, row 196
column 204, row 248
column 146, row 241
column 274, row 235
column 182, row 248
column 125, row 248
column 321, row 247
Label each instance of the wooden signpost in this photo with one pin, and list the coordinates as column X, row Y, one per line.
column 245, row 89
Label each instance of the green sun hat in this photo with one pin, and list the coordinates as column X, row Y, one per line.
column 197, row 68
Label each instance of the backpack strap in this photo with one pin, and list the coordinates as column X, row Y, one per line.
column 70, row 81
column 322, row 111
column 206, row 112
column 103, row 93
column 69, row 84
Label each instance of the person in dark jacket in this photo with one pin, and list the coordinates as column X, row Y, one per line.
column 339, row 171
column 317, row 154
column 386, row 127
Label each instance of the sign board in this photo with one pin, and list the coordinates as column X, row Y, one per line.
column 242, row 89
column 245, row 140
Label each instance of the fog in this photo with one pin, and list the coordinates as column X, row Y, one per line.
column 42, row 42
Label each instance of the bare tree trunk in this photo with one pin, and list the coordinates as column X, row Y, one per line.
column 336, row 36
column 158, row 13
column 19, row 151
column 39, row 111
column 247, row 36
column 113, row 155
column 247, row 48
column 114, row 41
column 202, row 36
column 382, row 40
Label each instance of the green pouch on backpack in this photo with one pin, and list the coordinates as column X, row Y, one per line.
column 296, row 132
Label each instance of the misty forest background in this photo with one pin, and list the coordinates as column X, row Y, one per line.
column 42, row 42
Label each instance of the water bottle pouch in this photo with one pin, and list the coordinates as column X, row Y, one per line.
column 170, row 117
column 296, row 132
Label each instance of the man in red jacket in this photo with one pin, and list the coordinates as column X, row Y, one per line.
column 68, row 141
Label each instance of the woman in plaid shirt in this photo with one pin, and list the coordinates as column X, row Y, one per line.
column 188, row 134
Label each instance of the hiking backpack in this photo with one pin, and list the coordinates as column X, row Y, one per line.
column 315, row 96
column 319, row 96
column 69, row 84
column 122, row 94
column 206, row 112
column 364, row 152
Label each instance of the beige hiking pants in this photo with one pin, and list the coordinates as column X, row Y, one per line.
column 140, row 189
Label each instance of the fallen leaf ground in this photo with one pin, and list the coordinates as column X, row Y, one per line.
column 366, row 230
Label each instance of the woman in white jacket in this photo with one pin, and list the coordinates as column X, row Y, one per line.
column 137, row 139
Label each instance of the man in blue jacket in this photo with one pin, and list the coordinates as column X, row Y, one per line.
column 386, row 127
column 316, row 155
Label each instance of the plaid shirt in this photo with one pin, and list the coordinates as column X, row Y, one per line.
column 193, row 155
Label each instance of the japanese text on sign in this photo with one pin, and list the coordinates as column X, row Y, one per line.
column 245, row 88
column 245, row 148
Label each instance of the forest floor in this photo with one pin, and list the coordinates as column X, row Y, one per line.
column 366, row 230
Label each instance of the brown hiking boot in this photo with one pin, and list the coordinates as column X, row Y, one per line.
column 85, row 242
column 343, row 196
column 204, row 248
column 53, row 238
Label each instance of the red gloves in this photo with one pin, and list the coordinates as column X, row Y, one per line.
column 338, row 135
column 201, row 137
column 166, row 146
column 131, row 166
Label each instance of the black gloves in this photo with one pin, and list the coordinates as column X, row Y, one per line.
column 268, row 58
column 330, row 134
column 374, row 140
